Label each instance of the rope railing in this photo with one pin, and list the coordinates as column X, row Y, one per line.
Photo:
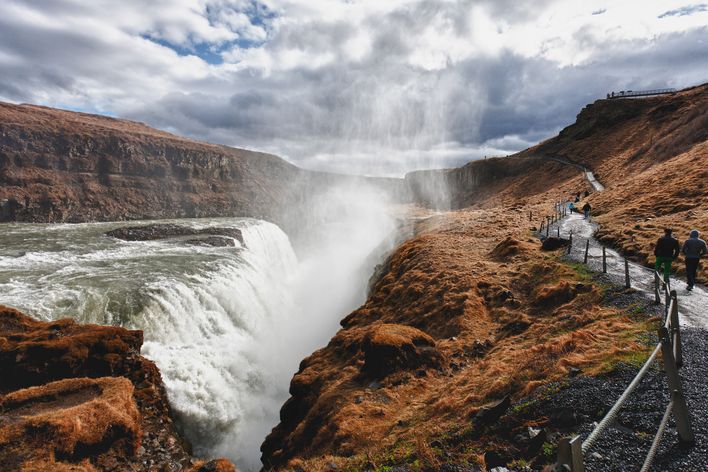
column 572, row 451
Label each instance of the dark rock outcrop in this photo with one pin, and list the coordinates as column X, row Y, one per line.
column 391, row 348
column 81, row 398
column 552, row 243
column 215, row 236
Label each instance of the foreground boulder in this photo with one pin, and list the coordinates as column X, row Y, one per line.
column 390, row 348
column 81, row 398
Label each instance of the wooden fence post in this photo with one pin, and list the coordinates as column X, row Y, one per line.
column 587, row 249
column 604, row 261
column 683, row 420
column 626, row 273
column 675, row 330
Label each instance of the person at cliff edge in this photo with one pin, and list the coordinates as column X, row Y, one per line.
column 586, row 210
column 693, row 249
column 666, row 250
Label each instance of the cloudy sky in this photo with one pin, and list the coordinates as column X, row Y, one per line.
column 370, row 86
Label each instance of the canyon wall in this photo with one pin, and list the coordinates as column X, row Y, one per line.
column 61, row 166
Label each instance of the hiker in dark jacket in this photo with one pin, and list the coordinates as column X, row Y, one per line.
column 666, row 250
column 586, row 210
column 693, row 249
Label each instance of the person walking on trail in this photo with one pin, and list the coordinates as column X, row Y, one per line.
column 586, row 211
column 693, row 249
column 571, row 207
column 666, row 250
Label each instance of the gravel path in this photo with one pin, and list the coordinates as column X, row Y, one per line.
column 624, row 446
column 693, row 306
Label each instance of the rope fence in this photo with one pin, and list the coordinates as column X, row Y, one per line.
column 572, row 451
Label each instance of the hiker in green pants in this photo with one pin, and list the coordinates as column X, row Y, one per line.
column 666, row 250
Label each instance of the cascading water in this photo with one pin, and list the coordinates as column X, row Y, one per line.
column 227, row 327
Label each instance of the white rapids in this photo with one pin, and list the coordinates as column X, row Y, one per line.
column 227, row 326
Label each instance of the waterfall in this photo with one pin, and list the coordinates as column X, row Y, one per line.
column 226, row 326
column 212, row 340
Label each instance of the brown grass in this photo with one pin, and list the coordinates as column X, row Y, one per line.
column 503, row 321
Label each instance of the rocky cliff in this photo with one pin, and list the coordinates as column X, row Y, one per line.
column 61, row 166
column 81, row 398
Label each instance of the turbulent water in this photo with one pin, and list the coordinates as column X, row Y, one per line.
column 226, row 326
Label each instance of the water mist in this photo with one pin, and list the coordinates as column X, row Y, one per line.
column 229, row 344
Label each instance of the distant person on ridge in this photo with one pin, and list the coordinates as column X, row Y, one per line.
column 587, row 193
column 666, row 250
column 586, row 211
column 693, row 249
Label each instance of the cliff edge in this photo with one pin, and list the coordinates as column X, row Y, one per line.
column 81, row 398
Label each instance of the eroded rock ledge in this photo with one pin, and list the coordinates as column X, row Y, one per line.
column 81, row 398
column 203, row 236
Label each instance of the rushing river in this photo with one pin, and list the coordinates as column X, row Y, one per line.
column 227, row 326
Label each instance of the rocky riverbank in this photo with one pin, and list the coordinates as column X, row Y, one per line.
column 81, row 398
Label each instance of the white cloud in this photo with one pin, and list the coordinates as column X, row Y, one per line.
column 366, row 85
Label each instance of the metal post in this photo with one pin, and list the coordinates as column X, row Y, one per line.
column 530, row 216
column 657, row 297
column 604, row 261
column 587, row 249
column 626, row 273
column 676, row 330
column 540, row 228
column 559, row 232
column 683, row 420
column 548, row 225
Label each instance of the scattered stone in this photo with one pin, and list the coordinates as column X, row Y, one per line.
column 491, row 413
column 479, row 348
column 493, row 459
column 535, row 444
